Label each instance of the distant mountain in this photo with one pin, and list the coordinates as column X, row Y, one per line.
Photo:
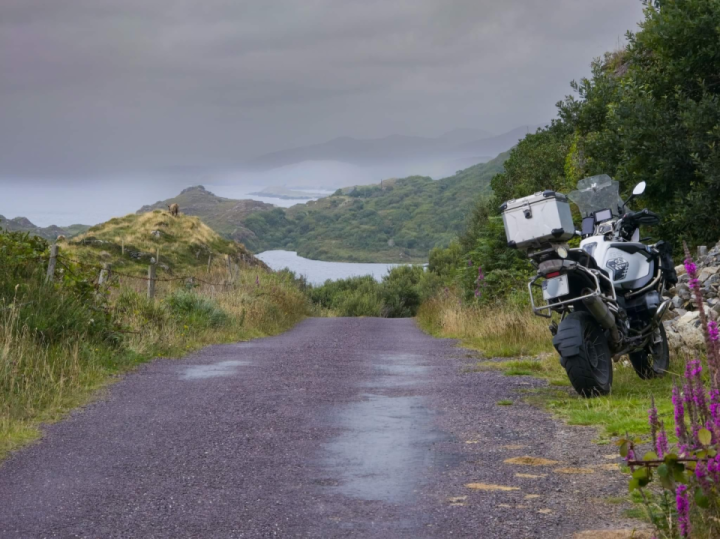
column 458, row 145
column 399, row 220
column 224, row 215
column 22, row 224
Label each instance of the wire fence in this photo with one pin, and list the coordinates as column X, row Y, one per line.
column 106, row 271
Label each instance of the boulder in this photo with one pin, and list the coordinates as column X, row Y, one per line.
column 677, row 303
column 675, row 342
column 706, row 273
column 680, row 270
column 683, row 292
column 688, row 327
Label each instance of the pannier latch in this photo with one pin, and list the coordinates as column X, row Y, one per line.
column 527, row 212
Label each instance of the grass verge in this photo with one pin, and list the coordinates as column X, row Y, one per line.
column 62, row 341
column 510, row 330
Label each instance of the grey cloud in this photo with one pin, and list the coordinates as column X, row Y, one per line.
column 100, row 86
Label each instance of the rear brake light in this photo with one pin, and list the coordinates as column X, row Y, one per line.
column 553, row 274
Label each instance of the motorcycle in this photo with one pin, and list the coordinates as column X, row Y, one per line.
column 608, row 292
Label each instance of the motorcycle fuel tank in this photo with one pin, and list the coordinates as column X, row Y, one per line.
column 628, row 270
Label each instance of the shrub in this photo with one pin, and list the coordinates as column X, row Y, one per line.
column 195, row 310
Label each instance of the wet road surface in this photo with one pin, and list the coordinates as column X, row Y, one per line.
column 337, row 428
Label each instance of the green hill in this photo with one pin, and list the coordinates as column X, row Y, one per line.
column 224, row 215
column 396, row 221
column 130, row 243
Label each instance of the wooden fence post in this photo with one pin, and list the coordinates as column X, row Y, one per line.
column 229, row 268
column 51, row 263
column 104, row 274
column 209, row 260
column 151, row 281
column 122, row 247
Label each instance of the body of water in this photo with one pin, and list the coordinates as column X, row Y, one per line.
column 318, row 271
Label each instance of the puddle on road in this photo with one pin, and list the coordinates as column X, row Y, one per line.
column 386, row 450
column 214, row 370
column 396, row 370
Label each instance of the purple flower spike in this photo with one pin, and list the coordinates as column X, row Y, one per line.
column 683, row 509
column 662, row 442
column 701, row 474
column 677, row 401
column 713, row 331
column 690, row 267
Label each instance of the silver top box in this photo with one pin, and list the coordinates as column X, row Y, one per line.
column 537, row 220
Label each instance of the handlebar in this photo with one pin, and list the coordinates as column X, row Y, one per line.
column 643, row 217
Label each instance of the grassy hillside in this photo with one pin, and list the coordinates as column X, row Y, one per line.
column 130, row 242
column 396, row 221
column 224, row 215
column 22, row 224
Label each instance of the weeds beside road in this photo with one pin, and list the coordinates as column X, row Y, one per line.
column 518, row 343
column 61, row 341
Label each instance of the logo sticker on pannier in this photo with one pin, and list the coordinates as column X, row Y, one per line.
column 620, row 268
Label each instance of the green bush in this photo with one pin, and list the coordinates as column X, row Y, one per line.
column 399, row 295
column 195, row 310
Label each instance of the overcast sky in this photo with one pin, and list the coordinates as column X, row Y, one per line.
column 115, row 87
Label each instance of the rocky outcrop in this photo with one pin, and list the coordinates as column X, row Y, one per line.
column 682, row 321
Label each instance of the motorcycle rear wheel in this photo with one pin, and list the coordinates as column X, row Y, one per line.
column 654, row 360
column 585, row 354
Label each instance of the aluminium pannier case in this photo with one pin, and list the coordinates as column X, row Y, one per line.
column 537, row 220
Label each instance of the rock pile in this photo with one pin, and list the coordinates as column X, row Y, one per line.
column 682, row 321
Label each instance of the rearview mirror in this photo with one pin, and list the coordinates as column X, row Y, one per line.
column 639, row 189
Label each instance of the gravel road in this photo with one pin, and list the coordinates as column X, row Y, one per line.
column 341, row 427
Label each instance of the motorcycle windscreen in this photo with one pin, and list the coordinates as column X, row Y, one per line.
column 597, row 193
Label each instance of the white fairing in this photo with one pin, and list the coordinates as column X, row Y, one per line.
column 622, row 267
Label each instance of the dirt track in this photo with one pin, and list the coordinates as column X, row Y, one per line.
column 338, row 428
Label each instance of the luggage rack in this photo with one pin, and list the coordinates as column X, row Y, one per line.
column 596, row 276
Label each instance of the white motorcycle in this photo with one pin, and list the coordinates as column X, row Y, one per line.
column 608, row 292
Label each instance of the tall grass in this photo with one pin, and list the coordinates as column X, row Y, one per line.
column 504, row 329
column 510, row 330
column 60, row 342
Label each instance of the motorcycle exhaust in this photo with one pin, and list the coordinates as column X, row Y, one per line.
column 662, row 309
column 605, row 318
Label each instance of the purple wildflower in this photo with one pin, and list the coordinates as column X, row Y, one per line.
column 715, row 407
column 630, row 455
column 683, row 509
column 653, row 421
column 711, row 346
column 694, row 370
column 662, row 442
column 470, row 263
column 690, row 267
column 680, row 429
column 713, row 332
column 713, row 468
column 701, row 474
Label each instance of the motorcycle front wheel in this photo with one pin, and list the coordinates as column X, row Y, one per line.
column 654, row 360
column 585, row 354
